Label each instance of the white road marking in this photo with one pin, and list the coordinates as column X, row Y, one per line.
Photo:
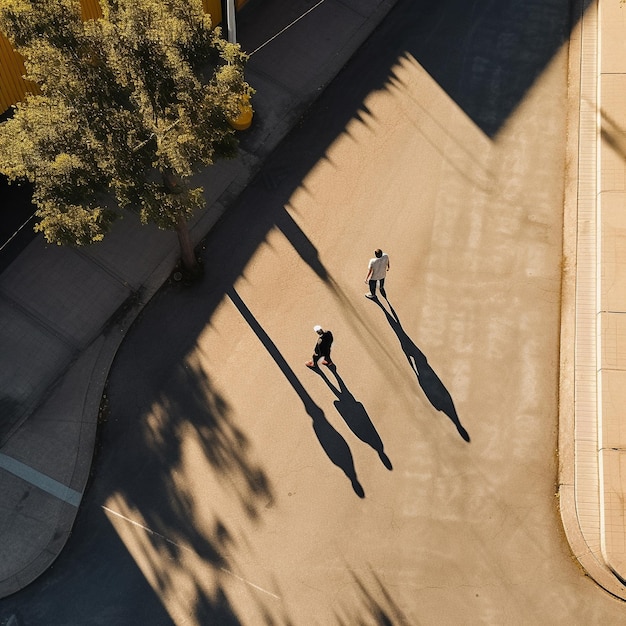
column 39, row 480
column 247, row 582
column 223, row 569
column 148, row 530
column 287, row 27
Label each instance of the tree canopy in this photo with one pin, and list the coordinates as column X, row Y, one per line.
column 130, row 106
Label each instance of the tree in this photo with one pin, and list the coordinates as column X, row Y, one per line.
column 130, row 107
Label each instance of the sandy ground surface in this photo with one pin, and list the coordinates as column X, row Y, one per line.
column 353, row 496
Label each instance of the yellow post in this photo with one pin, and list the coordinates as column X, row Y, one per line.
column 244, row 119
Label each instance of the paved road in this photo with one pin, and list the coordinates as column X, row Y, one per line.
column 16, row 227
column 17, row 209
column 415, row 483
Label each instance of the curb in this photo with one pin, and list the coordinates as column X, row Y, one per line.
column 581, row 162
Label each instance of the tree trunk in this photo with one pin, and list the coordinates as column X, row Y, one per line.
column 187, row 253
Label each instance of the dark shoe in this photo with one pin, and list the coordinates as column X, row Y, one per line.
column 370, row 296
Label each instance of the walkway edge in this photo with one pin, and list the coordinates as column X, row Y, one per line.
column 581, row 529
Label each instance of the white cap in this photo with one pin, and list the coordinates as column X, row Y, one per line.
column 317, row 328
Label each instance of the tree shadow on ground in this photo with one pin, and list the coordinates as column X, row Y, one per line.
column 428, row 380
column 613, row 134
column 182, row 431
column 148, row 532
column 380, row 607
column 355, row 416
column 333, row 444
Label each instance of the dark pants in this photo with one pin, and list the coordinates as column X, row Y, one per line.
column 381, row 283
column 318, row 354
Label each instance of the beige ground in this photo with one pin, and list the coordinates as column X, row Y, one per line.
column 456, row 532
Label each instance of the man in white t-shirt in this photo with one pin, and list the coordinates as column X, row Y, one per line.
column 376, row 271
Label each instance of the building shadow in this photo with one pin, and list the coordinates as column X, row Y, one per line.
column 355, row 416
column 428, row 380
column 484, row 54
column 331, row 441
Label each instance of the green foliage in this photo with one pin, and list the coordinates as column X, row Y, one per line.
column 131, row 106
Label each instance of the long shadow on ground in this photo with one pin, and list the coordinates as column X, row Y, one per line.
column 355, row 415
column 333, row 444
column 428, row 380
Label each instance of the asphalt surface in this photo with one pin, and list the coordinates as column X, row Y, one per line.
column 414, row 483
column 16, row 229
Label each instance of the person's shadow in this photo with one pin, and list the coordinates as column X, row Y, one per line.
column 355, row 416
column 430, row 383
column 333, row 444
column 331, row 441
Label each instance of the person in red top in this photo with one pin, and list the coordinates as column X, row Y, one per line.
column 376, row 271
column 322, row 347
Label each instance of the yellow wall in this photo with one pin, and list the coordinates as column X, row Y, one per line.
column 90, row 9
column 214, row 9
column 13, row 87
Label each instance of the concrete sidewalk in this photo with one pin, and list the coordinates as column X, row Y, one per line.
column 65, row 312
column 592, row 437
